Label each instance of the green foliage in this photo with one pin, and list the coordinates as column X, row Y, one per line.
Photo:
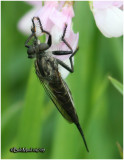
column 29, row 118
column 116, row 84
column 120, row 150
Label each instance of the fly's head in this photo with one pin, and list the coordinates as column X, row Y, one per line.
column 31, row 52
column 36, row 49
column 31, row 43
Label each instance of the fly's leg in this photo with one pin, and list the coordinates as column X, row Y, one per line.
column 62, row 63
column 33, row 34
column 29, row 38
column 68, row 45
column 63, row 36
column 66, row 53
column 61, row 52
column 49, row 42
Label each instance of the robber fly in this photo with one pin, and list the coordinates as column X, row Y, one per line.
column 46, row 67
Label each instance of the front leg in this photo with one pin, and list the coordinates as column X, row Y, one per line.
column 29, row 38
column 49, row 42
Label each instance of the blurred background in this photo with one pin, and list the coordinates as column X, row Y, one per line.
column 30, row 119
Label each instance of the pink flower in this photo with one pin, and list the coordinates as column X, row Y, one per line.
column 53, row 15
column 25, row 23
column 107, row 4
column 35, row 3
column 108, row 17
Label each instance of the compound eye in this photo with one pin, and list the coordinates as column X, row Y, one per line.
column 43, row 46
column 31, row 52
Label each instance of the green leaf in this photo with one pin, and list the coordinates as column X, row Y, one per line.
column 116, row 84
column 120, row 149
column 10, row 112
column 30, row 126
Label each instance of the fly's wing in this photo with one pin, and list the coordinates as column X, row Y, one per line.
column 54, row 100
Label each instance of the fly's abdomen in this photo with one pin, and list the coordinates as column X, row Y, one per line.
column 64, row 97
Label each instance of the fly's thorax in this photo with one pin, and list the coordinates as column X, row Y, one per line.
column 37, row 50
column 48, row 67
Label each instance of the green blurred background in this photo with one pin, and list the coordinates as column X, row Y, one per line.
column 29, row 118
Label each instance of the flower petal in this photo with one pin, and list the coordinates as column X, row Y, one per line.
column 68, row 11
column 56, row 33
column 63, row 71
column 102, row 4
column 51, row 4
column 34, row 3
column 25, row 23
column 118, row 3
column 106, row 4
column 44, row 15
column 109, row 21
column 57, row 18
